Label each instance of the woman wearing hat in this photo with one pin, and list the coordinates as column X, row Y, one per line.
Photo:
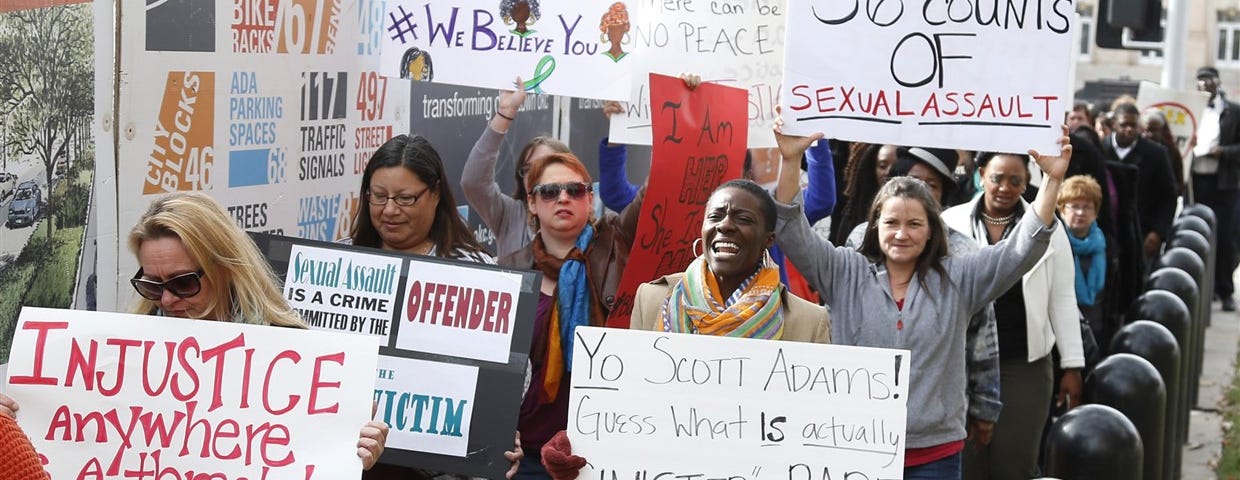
column 1034, row 315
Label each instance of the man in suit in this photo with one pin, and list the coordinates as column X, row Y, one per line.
column 1216, row 178
column 1155, row 187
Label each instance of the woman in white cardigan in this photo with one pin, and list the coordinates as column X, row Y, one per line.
column 1033, row 316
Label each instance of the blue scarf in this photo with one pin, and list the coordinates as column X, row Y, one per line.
column 1095, row 246
column 574, row 294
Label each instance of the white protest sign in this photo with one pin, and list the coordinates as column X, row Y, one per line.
column 459, row 311
column 330, row 287
column 579, row 48
column 738, row 43
column 1183, row 110
column 427, row 405
column 644, row 403
column 937, row 74
column 106, row 393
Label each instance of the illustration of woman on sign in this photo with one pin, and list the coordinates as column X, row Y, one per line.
column 522, row 12
column 615, row 29
column 416, row 64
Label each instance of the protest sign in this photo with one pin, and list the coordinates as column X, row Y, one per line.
column 739, row 43
column 330, row 287
column 700, row 143
column 579, row 48
column 981, row 76
column 455, row 342
column 735, row 408
column 1183, row 110
column 106, row 395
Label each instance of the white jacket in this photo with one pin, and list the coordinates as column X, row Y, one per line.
column 1051, row 314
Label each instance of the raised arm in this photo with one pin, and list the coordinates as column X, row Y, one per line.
column 820, row 190
column 478, row 175
column 987, row 273
column 613, row 181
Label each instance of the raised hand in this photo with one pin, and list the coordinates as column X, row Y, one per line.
column 692, row 80
column 612, row 107
column 792, row 147
column 510, row 101
column 1055, row 166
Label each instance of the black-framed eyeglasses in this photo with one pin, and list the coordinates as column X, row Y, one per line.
column 184, row 285
column 402, row 200
column 550, row 192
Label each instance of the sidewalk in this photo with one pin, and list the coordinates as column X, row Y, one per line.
column 1205, row 431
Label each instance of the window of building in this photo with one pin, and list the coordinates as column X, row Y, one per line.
column 1085, row 48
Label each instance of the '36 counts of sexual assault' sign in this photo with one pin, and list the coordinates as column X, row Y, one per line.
column 980, row 75
column 109, row 395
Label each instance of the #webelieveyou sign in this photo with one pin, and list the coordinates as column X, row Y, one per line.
column 454, row 342
column 941, row 74
column 108, row 395
column 579, row 48
column 660, row 405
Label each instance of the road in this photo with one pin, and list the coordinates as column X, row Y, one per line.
column 13, row 240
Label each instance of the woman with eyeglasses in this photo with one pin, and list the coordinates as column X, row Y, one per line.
column 505, row 215
column 409, row 207
column 581, row 260
column 1033, row 316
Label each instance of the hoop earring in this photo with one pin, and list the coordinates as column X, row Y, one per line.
column 696, row 246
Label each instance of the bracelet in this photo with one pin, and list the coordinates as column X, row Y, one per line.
column 497, row 112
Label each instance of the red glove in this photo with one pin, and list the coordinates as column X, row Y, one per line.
column 558, row 458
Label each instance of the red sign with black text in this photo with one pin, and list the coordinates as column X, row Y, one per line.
column 699, row 143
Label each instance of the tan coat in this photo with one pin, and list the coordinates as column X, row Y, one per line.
column 803, row 321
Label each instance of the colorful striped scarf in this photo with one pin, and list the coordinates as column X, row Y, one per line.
column 755, row 310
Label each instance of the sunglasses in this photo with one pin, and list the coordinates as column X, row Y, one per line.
column 550, row 192
column 183, row 286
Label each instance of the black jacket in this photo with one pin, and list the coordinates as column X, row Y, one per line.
column 1229, row 142
column 1156, row 191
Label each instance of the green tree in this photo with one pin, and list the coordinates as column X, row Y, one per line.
column 46, row 83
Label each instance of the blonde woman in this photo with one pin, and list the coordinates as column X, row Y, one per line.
column 195, row 263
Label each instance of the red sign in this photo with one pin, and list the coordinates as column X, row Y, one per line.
column 699, row 143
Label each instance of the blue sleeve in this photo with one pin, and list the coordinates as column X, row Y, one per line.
column 820, row 190
column 613, row 182
column 777, row 256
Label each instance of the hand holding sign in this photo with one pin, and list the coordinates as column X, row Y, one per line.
column 1055, row 166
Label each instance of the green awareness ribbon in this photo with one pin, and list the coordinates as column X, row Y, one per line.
column 541, row 72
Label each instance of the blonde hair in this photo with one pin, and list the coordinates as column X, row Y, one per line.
column 1080, row 187
column 245, row 286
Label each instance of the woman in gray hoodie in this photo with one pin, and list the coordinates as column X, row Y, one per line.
column 901, row 290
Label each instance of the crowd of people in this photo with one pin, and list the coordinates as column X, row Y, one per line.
column 1005, row 292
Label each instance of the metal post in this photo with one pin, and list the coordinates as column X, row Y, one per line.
column 1174, row 49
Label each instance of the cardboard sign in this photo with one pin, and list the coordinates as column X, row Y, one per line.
column 106, row 395
column 938, row 74
column 700, row 143
column 579, row 48
column 455, row 339
column 734, row 43
column 735, row 408
column 1183, row 110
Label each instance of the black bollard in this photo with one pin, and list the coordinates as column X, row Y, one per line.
column 1182, row 285
column 1156, row 344
column 1184, row 259
column 1203, row 212
column 1206, row 229
column 1166, row 309
column 1198, row 244
column 1133, row 386
column 1092, row 442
